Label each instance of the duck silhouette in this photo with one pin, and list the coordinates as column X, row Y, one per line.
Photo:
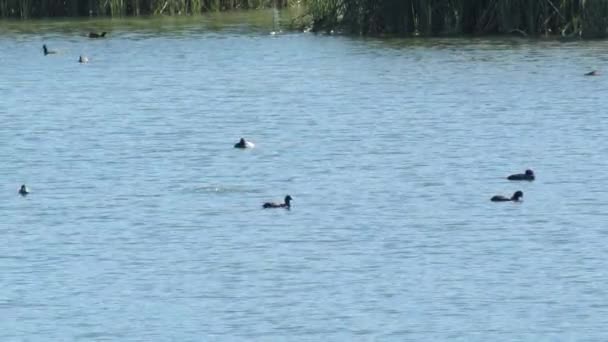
column 97, row 35
column 527, row 176
column 244, row 144
column 23, row 191
column 517, row 195
column 47, row 51
column 286, row 205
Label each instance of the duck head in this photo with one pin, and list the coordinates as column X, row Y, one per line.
column 517, row 196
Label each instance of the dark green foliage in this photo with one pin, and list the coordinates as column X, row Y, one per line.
column 74, row 8
column 569, row 18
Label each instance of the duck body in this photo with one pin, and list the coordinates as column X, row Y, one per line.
column 83, row 59
column 286, row 205
column 526, row 176
column 593, row 73
column 97, row 35
column 47, row 51
column 515, row 198
column 244, row 144
column 23, row 191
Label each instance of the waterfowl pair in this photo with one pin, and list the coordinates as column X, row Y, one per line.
column 268, row 205
column 528, row 175
column 46, row 51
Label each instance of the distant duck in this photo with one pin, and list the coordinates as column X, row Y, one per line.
column 24, row 190
column 286, row 205
column 97, row 35
column 47, row 51
column 83, row 59
column 593, row 73
column 515, row 198
column 527, row 176
column 244, row 144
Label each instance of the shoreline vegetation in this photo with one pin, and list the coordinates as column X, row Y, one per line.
column 564, row 19
column 567, row 19
column 34, row 9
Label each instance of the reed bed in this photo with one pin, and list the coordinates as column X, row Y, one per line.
column 567, row 18
column 25, row 9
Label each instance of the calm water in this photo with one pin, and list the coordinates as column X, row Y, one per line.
column 144, row 224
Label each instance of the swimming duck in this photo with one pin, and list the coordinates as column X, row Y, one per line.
column 286, row 205
column 83, row 59
column 515, row 198
column 527, row 176
column 97, row 35
column 244, row 144
column 593, row 73
column 24, row 190
column 47, row 51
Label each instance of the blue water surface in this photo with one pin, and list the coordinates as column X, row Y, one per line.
column 145, row 224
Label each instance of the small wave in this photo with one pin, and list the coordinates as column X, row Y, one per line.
column 219, row 189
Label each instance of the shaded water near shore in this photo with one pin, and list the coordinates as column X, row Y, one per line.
column 144, row 224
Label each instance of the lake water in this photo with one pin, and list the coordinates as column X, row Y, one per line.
column 145, row 224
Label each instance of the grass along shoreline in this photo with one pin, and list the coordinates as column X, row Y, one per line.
column 29, row 9
column 565, row 19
